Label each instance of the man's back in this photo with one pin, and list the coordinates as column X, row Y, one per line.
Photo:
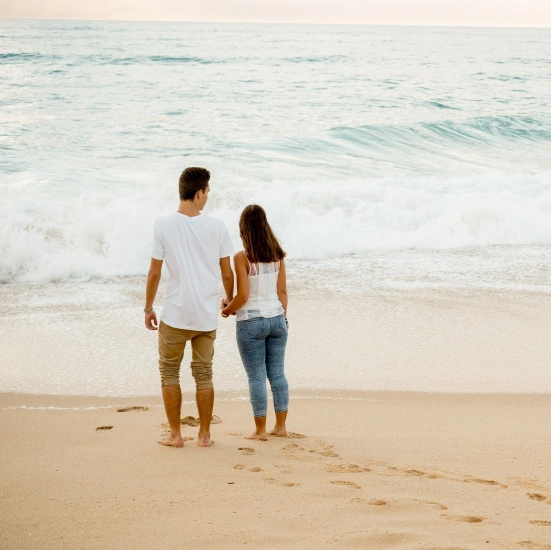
column 191, row 247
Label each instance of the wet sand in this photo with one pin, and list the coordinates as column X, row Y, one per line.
column 364, row 470
column 89, row 339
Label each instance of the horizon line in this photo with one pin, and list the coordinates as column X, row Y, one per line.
column 262, row 22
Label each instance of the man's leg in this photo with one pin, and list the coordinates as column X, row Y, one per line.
column 202, row 347
column 172, row 398
column 172, row 342
column 205, row 404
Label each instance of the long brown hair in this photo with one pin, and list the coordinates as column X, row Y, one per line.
column 259, row 241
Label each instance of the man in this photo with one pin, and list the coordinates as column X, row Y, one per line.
column 194, row 247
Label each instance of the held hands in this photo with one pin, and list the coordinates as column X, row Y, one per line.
column 224, row 308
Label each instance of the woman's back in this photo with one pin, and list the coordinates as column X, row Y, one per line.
column 263, row 296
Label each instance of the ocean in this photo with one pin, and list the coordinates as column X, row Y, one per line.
column 387, row 158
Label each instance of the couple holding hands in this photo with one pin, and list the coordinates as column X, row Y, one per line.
column 196, row 248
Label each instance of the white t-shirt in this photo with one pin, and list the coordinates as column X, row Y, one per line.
column 191, row 248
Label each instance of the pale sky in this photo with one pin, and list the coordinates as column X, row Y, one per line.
column 500, row 13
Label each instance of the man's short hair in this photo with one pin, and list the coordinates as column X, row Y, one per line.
column 193, row 179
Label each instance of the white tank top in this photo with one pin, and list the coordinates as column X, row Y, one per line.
column 263, row 299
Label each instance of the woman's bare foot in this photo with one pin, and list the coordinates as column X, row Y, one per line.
column 204, row 440
column 280, row 431
column 259, row 436
column 171, row 441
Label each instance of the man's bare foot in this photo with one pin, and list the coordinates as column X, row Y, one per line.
column 280, row 431
column 171, row 441
column 259, row 436
column 204, row 440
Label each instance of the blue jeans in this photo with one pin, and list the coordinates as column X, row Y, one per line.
column 261, row 343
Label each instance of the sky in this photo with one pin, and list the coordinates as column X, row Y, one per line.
column 493, row 13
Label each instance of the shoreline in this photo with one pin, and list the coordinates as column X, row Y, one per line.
column 434, row 342
column 44, row 400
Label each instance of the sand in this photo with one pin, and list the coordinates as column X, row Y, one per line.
column 369, row 469
column 61, row 340
column 364, row 470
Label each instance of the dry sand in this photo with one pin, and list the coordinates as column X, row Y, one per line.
column 373, row 470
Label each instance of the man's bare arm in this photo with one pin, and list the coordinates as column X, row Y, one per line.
column 227, row 279
column 153, row 279
column 242, row 273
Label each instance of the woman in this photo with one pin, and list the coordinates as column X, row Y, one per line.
column 261, row 308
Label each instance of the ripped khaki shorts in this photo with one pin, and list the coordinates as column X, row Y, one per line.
column 172, row 342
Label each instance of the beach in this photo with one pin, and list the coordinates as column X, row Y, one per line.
column 89, row 339
column 375, row 469
column 406, row 172
column 368, row 470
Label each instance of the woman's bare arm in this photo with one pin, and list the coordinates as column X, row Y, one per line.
column 282, row 286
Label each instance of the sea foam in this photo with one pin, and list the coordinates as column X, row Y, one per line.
column 106, row 236
column 357, row 140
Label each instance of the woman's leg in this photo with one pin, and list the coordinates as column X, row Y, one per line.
column 275, row 363
column 251, row 336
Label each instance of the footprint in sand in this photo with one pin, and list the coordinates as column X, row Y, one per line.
column 315, row 452
column 485, row 482
column 243, row 467
column 372, row 502
column 432, row 504
column 465, row 519
column 284, row 469
column 381, row 502
column 419, row 473
column 331, row 454
column 246, row 450
column 377, row 502
column 427, row 475
column 534, row 545
column 347, row 468
column 538, row 497
column 541, row 522
column 235, row 433
column 128, row 409
column 350, row 484
column 274, row 481
column 294, row 435
column 393, row 471
column 104, row 428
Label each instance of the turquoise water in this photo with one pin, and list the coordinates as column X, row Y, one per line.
column 361, row 142
column 387, row 159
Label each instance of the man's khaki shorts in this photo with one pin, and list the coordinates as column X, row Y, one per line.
column 172, row 342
